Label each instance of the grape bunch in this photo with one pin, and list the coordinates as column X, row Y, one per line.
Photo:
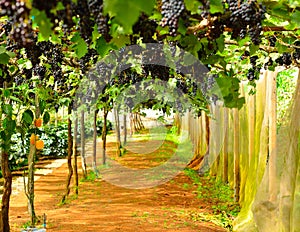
column 253, row 71
column 296, row 53
column 85, row 60
column 171, row 11
column 284, row 59
column 85, row 22
column 246, row 17
column 96, row 9
column 39, row 71
column 6, row 8
column 269, row 63
column 272, row 41
column 145, row 28
column 19, row 24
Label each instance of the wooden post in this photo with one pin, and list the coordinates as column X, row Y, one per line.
column 82, row 144
column 95, row 141
column 69, row 158
column 251, row 123
column 105, row 112
column 272, row 134
column 236, row 154
column 125, row 129
column 118, row 134
column 225, row 146
column 75, row 166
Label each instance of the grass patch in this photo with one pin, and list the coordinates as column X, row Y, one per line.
column 219, row 195
column 91, row 176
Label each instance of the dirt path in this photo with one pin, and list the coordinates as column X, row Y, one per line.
column 102, row 206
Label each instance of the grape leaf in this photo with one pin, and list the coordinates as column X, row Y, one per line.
column 102, row 47
column 9, row 125
column 126, row 13
column 7, row 109
column 79, row 46
column 295, row 17
column 41, row 21
column 27, row 117
column 46, row 118
column 4, row 58
column 42, row 105
column 216, row 6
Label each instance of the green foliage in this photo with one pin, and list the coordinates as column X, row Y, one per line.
column 91, row 176
column 286, row 83
column 126, row 13
column 215, row 191
column 99, row 125
column 55, row 140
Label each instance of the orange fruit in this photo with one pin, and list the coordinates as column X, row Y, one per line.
column 33, row 138
column 38, row 122
column 39, row 144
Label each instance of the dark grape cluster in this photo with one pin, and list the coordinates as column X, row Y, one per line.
column 7, row 8
column 39, row 71
column 85, row 60
column 144, row 28
column 246, row 18
column 19, row 25
column 272, row 41
column 284, row 59
column 296, row 53
column 85, row 22
column 171, row 11
column 7, row 27
column 268, row 64
column 101, row 20
column 252, row 73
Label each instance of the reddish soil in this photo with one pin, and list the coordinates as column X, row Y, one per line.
column 102, row 206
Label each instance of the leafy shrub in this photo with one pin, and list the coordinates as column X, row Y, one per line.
column 55, row 139
column 88, row 130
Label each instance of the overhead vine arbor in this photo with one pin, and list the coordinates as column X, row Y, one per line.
column 48, row 47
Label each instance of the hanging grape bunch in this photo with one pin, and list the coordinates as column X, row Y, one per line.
column 101, row 20
column 19, row 23
column 171, row 11
column 246, row 17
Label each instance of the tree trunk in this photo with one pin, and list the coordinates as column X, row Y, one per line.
column 131, row 124
column 105, row 112
column 70, row 151
column 30, row 183
column 31, row 169
column 95, row 141
column 204, row 165
column 6, row 191
column 125, row 129
column 137, row 122
column 75, row 167
column 7, row 185
column 82, row 144
column 236, row 155
column 118, row 134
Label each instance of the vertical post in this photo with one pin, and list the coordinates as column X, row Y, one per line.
column 272, row 135
column 251, row 123
column 118, row 134
column 236, row 154
column 125, row 129
column 82, row 144
column 75, row 154
column 95, row 141
column 105, row 112
column 70, row 152
column 225, row 146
